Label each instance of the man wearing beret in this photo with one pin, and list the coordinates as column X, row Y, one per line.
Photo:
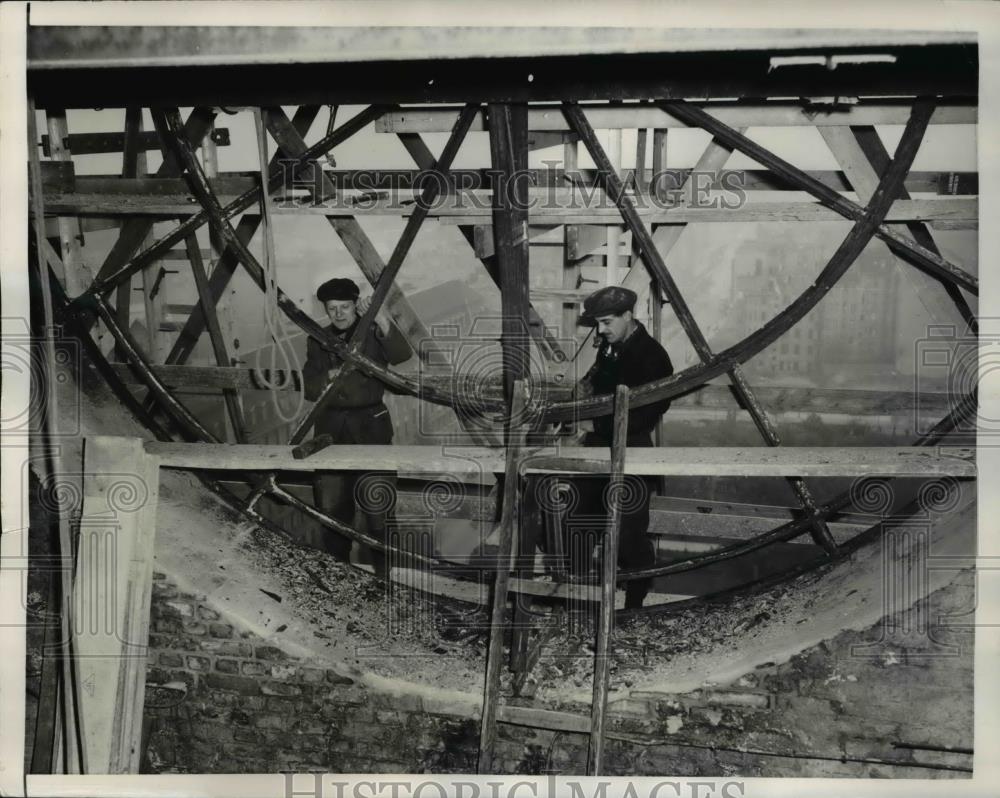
column 626, row 355
column 355, row 414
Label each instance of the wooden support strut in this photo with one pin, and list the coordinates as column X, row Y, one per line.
column 654, row 262
column 609, row 567
column 72, row 734
column 509, row 154
column 515, row 434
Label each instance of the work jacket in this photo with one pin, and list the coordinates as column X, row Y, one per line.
column 355, row 413
column 635, row 361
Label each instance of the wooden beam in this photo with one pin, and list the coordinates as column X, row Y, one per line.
column 509, row 153
column 674, row 461
column 516, row 433
column 610, row 116
column 609, row 568
column 483, row 238
column 959, row 213
column 540, row 181
column 92, row 143
column 76, row 276
column 942, row 69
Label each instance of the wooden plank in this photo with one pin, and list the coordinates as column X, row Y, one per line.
column 58, row 177
column 232, row 184
column 594, row 208
column 674, row 461
column 960, row 213
column 540, row 181
column 431, row 119
column 912, row 70
column 609, row 570
column 482, row 235
column 92, row 143
column 111, row 593
column 509, row 522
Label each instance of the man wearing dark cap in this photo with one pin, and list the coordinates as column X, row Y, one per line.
column 355, row 414
column 626, row 355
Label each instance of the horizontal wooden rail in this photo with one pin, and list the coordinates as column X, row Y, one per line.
column 675, row 461
column 612, row 116
column 598, row 209
column 367, row 180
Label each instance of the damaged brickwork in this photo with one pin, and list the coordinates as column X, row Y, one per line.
column 861, row 704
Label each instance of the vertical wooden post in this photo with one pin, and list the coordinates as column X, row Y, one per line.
column 69, row 734
column 509, row 154
column 609, row 567
column 77, row 281
column 655, row 295
column 614, row 233
column 111, row 597
column 516, row 433
column 133, row 159
column 571, row 265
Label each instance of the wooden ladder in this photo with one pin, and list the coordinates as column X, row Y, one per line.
column 508, row 526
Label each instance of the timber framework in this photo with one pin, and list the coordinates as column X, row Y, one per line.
column 624, row 215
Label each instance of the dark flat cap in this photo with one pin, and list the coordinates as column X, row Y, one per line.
column 339, row 289
column 610, row 299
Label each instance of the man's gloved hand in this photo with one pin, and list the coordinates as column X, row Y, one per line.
column 381, row 319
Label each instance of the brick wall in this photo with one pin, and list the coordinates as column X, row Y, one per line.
column 223, row 700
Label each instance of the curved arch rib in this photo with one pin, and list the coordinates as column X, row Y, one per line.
column 899, row 243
